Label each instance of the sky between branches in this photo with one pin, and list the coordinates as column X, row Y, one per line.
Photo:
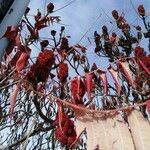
column 81, row 14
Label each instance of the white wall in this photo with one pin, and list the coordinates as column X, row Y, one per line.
column 19, row 7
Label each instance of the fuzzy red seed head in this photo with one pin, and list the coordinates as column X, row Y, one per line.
column 139, row 52
column 46, row 58
column 41, row 69
column 63, row 72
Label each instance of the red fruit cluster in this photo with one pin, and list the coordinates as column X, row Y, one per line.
column 11, row 32
column 141, row 10
column 138, row 28
column 104, row 30
column 113, row 37
column 50, row 8
column 40, row 70
column 46, row 58
column 139, row 52
column 64, row 44
column 121, row 22
column 77, row 90
column 141, row 55
column 63, row 72
column 65, row 134
column 115, row 14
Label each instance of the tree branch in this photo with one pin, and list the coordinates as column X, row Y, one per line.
column 36, row 131
column 37, row 105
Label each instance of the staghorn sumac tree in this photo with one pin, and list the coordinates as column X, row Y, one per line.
column 42, row 97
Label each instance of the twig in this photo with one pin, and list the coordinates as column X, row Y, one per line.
column 37, row 105
column 89, row 29
column 65, row 5
column 36, row 131
column 28, row 135
column 8, row 75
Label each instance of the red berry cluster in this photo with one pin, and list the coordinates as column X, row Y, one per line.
column 78, row 90
column 139, row 52
column 63, row 72
column 65, row 134
column 138, row 28
column 50, row 8
column 145, row 59
column 40, row 70
column 64, row 44
column 115, row 14
column 140, row 55
column 141, row 10
column 46, row 58
column 120, row 20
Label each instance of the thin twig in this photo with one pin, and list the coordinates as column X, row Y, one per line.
column 89, row 29
column 29, row 133
column 65, row 5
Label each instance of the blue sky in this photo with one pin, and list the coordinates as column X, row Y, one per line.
column 82, row 13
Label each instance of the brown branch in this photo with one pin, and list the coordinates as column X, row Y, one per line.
column 37, row 105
